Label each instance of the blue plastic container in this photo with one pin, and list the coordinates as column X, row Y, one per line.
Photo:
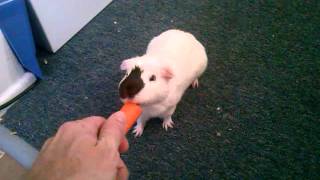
column 14, row 23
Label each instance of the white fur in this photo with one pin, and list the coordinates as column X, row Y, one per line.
column 178, row 52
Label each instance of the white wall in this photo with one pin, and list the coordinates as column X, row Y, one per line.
column 54, row 22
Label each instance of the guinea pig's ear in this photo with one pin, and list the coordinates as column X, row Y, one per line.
column 126, row 64
column 166, row 73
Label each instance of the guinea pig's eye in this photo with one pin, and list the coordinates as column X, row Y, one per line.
column 152, row 78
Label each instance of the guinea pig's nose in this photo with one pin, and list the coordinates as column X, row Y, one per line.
column 127, row 91
column 130, row 86
column 123, row 92
column 131, row 91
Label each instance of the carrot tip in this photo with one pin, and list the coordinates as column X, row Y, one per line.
column 132, row 112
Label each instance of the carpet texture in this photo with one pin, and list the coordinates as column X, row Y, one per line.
column 255, row 115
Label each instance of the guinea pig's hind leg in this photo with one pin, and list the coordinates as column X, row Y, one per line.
column 195, row 84
column 167, row 120
column 138, row 129
column 167, row 123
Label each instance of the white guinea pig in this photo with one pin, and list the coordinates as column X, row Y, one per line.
column 157, row 80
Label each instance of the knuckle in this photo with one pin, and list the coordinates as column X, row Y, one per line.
column 87, row 138
column 112, row 153
column 49, row 140
column 116, row 120
column 98, row 118
column 113, row 130
column 66, row 126
column 116, row 125
column 110, row 141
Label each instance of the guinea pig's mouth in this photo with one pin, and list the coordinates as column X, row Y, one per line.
column 125, row 100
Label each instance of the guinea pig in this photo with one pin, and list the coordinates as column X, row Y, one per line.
column 157, row 80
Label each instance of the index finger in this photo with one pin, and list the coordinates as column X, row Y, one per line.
column 112, row 132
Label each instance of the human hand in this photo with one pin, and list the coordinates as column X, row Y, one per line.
column 84, row 149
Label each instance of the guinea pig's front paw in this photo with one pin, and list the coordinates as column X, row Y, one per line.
column 167, row 123
column 138, row 130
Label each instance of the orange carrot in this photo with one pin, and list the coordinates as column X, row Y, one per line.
column 132, row 111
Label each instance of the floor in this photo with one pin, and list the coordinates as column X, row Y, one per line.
column 10, row 169
column 255, row 115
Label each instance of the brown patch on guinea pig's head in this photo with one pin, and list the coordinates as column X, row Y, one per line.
column 132, row 84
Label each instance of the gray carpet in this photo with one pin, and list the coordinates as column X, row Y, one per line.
column 255, row 115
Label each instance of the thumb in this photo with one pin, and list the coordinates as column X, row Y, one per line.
column 112, row 132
